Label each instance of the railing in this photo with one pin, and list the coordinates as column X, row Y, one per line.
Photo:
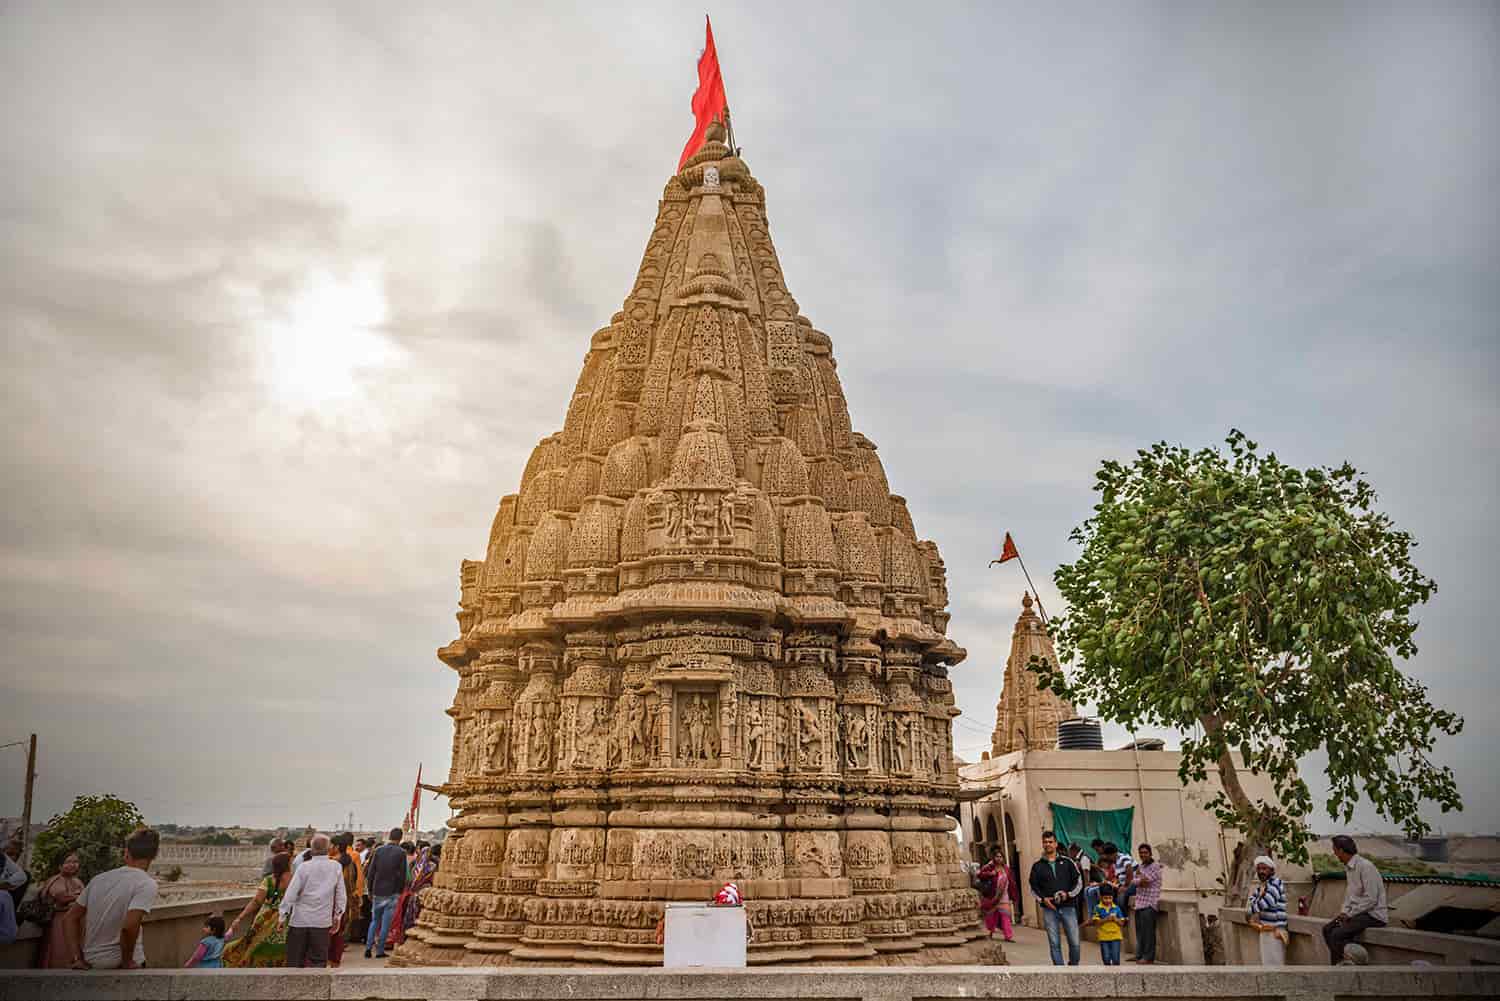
column 226, row 855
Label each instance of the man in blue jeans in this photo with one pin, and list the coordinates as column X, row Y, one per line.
column 384, row 880
column 1056, row 883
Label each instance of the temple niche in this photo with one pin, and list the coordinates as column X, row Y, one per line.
column 705, row 643
column 1026, row 716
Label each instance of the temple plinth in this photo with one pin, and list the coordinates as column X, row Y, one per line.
column 1026, row 717
column 705, row 643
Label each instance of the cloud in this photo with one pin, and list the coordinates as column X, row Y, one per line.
column 1038, row 238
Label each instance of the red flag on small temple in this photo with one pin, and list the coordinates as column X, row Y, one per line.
column 709, row 101
column 1008, row 551
column 416, row 803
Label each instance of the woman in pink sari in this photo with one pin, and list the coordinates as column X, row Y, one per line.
column 994, row 897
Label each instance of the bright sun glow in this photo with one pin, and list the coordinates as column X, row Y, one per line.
column 328, row 335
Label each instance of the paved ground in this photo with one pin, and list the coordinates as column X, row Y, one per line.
column 1030, row 949
column 354, row 958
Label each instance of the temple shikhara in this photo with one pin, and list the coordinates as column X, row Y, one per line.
column 705, row 643
column 1026, row 717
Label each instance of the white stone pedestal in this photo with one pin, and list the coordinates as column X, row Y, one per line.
column 704, row 935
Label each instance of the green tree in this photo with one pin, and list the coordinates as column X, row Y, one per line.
column 96, row 828
column 1259, row 609
column 217, row 838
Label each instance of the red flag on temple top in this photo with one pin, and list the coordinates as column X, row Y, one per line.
column 709, row 101
column 1008, row 551
column 416, row 804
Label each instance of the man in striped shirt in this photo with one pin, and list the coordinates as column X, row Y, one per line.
column 1267, row 912
column 1147, row 896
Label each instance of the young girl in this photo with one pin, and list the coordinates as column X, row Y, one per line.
column 210, row 951
column 1108, row 916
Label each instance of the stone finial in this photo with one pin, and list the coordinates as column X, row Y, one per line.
column 715, row 131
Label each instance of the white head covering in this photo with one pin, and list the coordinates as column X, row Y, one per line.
column 1265, row 860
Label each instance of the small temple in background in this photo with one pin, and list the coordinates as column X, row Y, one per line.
column 1026, row 716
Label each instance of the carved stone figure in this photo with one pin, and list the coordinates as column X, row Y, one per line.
column 703, row 518
column 810, row 739
column 726, row 518
column 694, row 719
column 902, row 744
column 674, row 516
column 634, row 746
column 653, row 730
column 857, row 741
column 755, row 737
column 541, row 742
column 495, row 745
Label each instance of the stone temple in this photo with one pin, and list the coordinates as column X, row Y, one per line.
column 705, row 643
column 1026, row 717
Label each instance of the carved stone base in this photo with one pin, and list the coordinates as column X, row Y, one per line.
column 979, row 952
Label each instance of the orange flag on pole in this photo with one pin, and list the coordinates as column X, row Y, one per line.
column 1008, row 551
column 709, row 101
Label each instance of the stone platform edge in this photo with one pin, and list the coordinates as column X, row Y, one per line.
column 895, row 984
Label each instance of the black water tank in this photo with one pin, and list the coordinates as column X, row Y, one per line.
column 1433, row 849
column 1080, row 735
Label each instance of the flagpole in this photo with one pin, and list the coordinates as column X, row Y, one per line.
column 1033, row 588
column 1012, row 548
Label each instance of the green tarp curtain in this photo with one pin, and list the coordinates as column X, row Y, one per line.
column 1080, row 827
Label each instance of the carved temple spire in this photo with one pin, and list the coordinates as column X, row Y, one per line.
column 703, row 608
column 1026, row 716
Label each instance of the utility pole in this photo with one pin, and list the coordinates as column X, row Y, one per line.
column 26, row 808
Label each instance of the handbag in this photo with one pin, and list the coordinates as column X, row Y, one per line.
column 39, row 909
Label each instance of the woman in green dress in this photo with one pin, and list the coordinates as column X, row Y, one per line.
column 264, row 942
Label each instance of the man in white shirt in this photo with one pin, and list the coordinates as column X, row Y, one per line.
column 1364, row 899
column 312, row 906
column 104, row 924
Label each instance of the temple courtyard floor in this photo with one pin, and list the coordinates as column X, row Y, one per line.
column 361, row 981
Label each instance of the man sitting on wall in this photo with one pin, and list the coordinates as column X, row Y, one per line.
column 104, row 925
column 1364, row 899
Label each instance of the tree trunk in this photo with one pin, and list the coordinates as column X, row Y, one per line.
column 1242, row 865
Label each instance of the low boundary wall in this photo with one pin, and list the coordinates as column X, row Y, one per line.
column 895, row 984
column 1385, row 945
column 172, row 932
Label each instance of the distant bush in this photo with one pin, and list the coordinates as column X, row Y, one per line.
column 219, row 838
column 173, row 874
column 1329, row 865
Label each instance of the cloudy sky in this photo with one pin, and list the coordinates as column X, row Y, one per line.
column 288, row 291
